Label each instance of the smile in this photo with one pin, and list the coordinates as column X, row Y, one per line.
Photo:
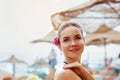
column 74, row 50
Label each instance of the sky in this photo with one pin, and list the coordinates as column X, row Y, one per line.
column 22, row 21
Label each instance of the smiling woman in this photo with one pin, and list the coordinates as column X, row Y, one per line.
column 71, row 43
column 22, row 21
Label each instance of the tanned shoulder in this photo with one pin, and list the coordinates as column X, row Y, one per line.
column 67, row 74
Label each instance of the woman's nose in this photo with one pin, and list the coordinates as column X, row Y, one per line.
column 73, row 43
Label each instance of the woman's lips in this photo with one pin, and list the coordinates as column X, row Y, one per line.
column 74, row 50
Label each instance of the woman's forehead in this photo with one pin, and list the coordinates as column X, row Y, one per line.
column 71, row 30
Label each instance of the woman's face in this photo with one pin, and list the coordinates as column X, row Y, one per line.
column 71, row 43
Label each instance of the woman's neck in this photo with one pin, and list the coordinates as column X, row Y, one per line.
column 68, row 60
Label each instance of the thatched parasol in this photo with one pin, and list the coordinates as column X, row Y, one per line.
column 111, row 36
column 91, row 15
column 48, row 38
column 40, row 63
column 104, row 38
column 13, row 60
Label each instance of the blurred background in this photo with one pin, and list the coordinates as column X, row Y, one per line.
column 26, row 52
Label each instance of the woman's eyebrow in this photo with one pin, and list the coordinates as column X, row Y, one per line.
column 78, row 35
column 65, row 37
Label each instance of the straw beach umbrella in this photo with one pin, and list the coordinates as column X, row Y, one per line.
column 111, row 36
column 104, row 38
column 13, row 60
column 40, row 63
column 90, row 15
column 48, row 38
column 95, row 38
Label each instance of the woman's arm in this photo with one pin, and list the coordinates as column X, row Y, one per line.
column 79, row 70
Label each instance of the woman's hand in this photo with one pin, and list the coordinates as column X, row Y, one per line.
column 74, row 66
column 79, row 70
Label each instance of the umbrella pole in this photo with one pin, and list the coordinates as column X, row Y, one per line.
column 13, row 69
column 105, row 52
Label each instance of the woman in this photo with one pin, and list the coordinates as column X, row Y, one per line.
column 71, row 42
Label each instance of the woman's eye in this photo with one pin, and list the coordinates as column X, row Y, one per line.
column 65, row 40
column 78, row 37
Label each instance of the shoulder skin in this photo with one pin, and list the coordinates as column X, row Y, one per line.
column 67, row 74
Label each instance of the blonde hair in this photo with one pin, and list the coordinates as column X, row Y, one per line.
column 67, row 24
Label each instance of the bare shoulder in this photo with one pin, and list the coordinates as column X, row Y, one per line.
column 66, row 75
